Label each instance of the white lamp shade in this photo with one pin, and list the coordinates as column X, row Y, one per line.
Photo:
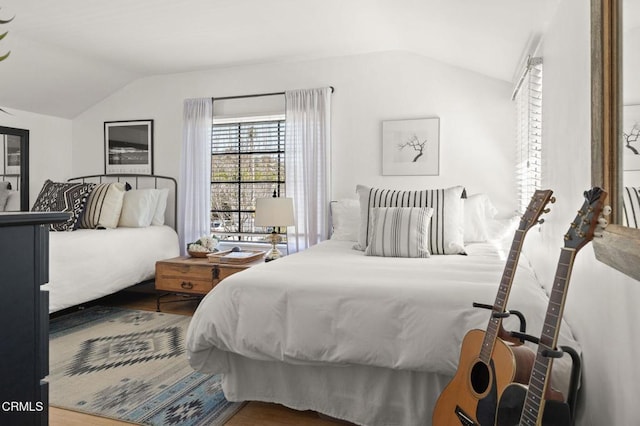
column 274, row 211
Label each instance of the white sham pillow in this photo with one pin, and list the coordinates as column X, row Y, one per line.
column 13, row 201
column 345, row 219
column 161, row 206
column 138, row 208
column 446, row 229
column 477, row 210
column 399, row 232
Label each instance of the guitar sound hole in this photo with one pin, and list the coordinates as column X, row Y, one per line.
column 480, row 377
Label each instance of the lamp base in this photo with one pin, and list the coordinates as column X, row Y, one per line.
column 274, row 253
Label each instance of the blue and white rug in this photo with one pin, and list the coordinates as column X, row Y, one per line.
column 131, row 365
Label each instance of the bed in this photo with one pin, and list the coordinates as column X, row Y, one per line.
column 126, row 224
column 368, row 339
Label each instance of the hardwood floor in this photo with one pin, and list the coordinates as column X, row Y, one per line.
column 252, row 414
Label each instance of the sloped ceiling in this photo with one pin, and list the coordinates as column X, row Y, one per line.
column 68, row 55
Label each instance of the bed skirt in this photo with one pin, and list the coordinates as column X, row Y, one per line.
column 360, row 394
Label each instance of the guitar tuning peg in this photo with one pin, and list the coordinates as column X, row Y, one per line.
column 606, row 210
column 552, row 200
column 567, row 237
column 540, row 221
column 546, row 210
column 603, row 222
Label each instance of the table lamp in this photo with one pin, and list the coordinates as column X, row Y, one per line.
column 275, row 212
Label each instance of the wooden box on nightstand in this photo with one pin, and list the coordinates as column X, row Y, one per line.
column 194, row 275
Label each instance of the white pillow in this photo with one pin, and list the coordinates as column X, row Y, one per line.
column 399, row 232
column 104, row 206
column 477, row 209
column 446, row 230
column 345, row 220
column 13, row 202
column 138, row 208
column 161, row 206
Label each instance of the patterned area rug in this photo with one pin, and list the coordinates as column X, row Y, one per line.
column 131, row 365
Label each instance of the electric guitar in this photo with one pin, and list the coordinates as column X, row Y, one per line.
column 488, row 364
column 532, row 405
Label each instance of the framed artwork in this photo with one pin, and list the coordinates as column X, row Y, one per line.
column 128, row 147
column 11, row 148
column 631, row 137
column 411, row 147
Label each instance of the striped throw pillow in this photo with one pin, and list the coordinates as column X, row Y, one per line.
column 631, row 207
column 399, row 232
column 446, row 229
column 103, row 206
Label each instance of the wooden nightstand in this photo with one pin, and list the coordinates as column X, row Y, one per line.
column 192, row 275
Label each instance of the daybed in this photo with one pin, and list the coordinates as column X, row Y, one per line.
column 369, row 339
column 117, row 236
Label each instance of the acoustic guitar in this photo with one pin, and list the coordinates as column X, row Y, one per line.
column 532, row 405
column 487, row 364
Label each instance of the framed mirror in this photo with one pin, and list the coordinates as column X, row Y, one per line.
column 14, row 167
column 620, row 245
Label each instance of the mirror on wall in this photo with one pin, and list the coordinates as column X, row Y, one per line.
column 614, row 98
column 14, row 169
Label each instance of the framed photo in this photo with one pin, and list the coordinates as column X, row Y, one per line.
column 128, row 147
column 11, row 148
column 631, row 137
column 411, row 147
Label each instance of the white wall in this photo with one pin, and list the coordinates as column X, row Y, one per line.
column 50, row 155
column 602, row 303
column 476, row 117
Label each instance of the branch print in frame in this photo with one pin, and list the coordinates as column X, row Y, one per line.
column 128, row 147
column 631, row 137
column 411, row 147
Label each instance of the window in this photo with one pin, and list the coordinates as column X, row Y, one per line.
column 528, row 97
column 247, row 162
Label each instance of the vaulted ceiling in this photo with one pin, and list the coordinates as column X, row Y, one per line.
column 68, row 55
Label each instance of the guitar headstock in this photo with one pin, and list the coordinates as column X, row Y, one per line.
column 589, row 217
column 536, row 208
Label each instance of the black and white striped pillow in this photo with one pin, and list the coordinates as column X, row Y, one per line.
column 399, row 232
column 103, row 206
column 631, row 207
column 446, row 230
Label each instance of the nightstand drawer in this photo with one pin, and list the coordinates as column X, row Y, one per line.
column 193, row 271
column 187, row 284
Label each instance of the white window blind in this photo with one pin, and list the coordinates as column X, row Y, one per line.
column 247, row 162
column 528, row 98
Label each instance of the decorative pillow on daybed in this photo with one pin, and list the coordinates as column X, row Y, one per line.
column 13, row 202
column 446, row 229
column 63, row 197
column 139, row 208
column 103, row 206
column 161, row 206
column 631, row 207
column 345, row 220
column 399, row 232
column 478, row 209
column 5, row 187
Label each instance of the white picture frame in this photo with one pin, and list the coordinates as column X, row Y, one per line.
column 411, row 147
column 128, row 147
column 631, row 137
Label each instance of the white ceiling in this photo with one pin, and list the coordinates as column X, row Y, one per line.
column 67, row 55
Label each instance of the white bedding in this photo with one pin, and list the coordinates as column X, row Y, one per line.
column 87, row 264
column 331, row 305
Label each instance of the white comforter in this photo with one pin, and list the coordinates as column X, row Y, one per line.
column 331, row 304
column 87, row 264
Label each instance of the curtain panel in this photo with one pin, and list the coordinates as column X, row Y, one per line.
column 194, row 209
column 307, row 155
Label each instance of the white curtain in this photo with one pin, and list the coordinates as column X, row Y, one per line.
column 194, row 214
column 307, row 152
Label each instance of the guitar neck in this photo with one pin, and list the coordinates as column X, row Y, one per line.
column 499, row 305
column 548, row 340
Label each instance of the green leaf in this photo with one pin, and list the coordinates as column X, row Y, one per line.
column 3, row 57
column 3, row 35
